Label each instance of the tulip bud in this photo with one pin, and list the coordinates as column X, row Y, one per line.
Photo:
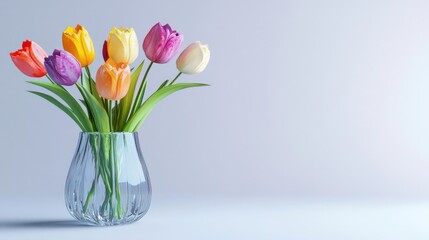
column 105, row 53
column 78, row 42
column 194, row 58
column 29, row 59
column 122, row 45
column 63, row 67
column 112, row 80
column 161, row 43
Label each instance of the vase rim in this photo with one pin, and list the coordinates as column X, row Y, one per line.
column 110, row 133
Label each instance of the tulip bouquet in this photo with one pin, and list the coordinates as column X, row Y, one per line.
column 115, row 101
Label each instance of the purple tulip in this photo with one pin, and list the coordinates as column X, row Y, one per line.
column 161, row 43
column 63, row 67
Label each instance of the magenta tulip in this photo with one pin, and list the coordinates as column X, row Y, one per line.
column 161, row 43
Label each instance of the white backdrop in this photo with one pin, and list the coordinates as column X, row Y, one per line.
column 308, row 98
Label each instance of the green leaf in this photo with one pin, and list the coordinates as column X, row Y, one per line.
column 94, row 91
column 140, row 93
column 126, row 102
column 89, row 83
column 163, row 84
column 61, row 106
column 137, row 119
column 100, row 116
column 69, row 100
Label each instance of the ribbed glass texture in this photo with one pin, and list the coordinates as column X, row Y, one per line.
column 108, row 182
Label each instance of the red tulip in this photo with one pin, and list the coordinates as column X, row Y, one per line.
column 105, row 52
column 29, row 60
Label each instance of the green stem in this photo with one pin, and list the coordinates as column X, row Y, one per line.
column 109, row 111
column 104, row 176
column 117, row 187
column 102, row 167
column 106, row 158
column 55, row 83
column 90, row 116
column 100, row 171
column 177, row 76
column 111, row 208
column 90, row 195
column 89, row 78
column 139, row 98
column 115, row 115
column 50, row 79
column 105, row 202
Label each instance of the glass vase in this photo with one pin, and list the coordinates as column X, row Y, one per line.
column 108, row 182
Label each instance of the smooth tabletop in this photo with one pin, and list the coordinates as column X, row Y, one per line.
column 220, row 219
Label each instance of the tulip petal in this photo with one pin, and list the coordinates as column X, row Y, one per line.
column 105, row 52
column 133, row 46
column 171, row 47
column 104, row 83
column 66, row 67
column 26, row 65
column 161, row 43
column 117, row 47
column 63, row 67
column 154, row 42
column 167, row 29
column 122, row 45
column 50, row 68
column 123, row 83
column 29, row 59
column 113, row 81
column 206, row 53
column 193, row 59
column 71, row 43
column 35, row 51
column 87, row 46
column 78, row 42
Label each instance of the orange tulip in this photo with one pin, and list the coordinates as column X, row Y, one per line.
column 29, row 60
column 113, row 81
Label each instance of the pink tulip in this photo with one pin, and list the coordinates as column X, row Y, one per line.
column 161, row 43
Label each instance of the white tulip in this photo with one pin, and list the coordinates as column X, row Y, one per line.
column 194, row 58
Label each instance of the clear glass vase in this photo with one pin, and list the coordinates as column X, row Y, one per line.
column 108, row 182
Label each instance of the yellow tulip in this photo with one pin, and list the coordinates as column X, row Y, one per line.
column 78, row 42
column 122, row 45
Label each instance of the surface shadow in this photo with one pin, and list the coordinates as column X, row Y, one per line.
column 22, row 224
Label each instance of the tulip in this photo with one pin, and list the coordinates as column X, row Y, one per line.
column 78, row 42
column 63, row 67
column 122, row 45
column 194, row 58
column 161, row 43
column 105, row 53
column 29, row 59
column 112, row 80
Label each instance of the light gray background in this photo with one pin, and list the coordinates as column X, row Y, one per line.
column 308, row 98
